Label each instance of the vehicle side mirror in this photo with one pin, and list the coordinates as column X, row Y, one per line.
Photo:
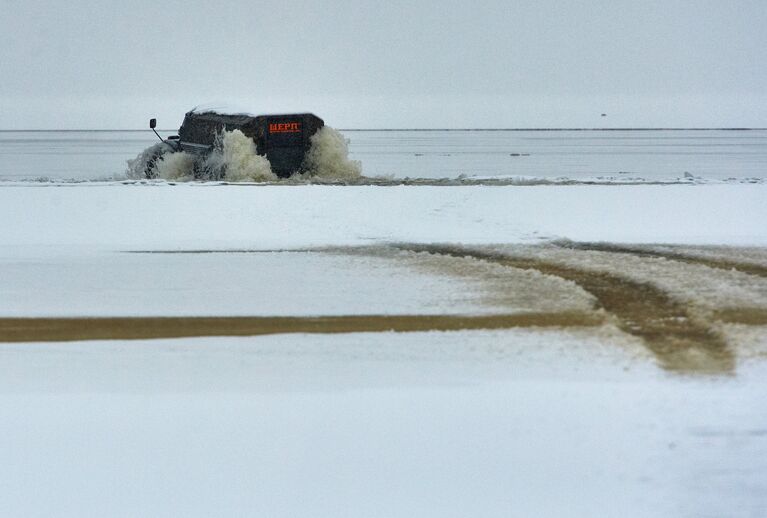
column 152, row 123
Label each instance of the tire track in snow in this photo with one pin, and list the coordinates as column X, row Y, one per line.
column 642, row 251
column 680, row 339
column 142, row 328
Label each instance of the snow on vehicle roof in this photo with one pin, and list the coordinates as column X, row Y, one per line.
column 223, row 108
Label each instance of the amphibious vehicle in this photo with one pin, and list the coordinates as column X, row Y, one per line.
column 283, row 139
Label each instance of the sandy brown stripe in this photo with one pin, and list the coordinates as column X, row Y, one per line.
column 711, row 262
column 68, row 329
column 678, row 338
column 748, row 316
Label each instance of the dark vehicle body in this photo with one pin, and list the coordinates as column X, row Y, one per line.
column 283, row 139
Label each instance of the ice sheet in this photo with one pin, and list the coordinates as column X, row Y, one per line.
column 190, row 216
column 436, row 424
column 472, row 423
column 375, row 282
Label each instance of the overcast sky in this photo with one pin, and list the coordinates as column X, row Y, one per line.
column 108, row 64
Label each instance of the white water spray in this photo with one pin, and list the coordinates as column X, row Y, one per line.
column 145, row 161
column 328, row 157
column 175, row 166
column 235, row 159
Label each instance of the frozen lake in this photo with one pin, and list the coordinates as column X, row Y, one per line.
column 205, row 349
column 649, row 155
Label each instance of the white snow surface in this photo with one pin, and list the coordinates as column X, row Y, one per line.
column 494, row 424
column 69, row 284
column 161, row 216
column 521, row 422
column 64, row 249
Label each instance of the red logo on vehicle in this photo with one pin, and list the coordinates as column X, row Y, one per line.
column 286, row 127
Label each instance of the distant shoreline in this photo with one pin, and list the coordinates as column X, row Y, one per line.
column 399, row 129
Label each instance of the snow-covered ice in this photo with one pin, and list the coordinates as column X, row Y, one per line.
column 560, row 421
column 373, row 282
column 512, row 423
column 159, row 216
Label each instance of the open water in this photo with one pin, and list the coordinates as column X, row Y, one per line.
column 601, row 155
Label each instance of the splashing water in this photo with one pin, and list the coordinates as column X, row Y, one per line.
column 328, row 157
column 146, row 161
column 175, row 166
column 235, row 159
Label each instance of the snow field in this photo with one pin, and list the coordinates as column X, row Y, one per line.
column 506, row 423
column 212, row 217
column 518, row 422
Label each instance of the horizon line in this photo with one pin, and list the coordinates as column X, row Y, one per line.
column 28, row 130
